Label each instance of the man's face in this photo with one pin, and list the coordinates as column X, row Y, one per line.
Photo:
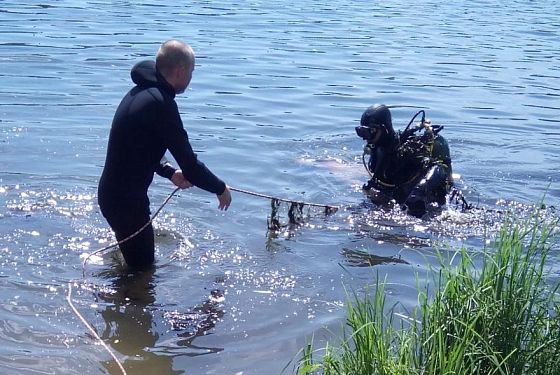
column 370, row 134
column 185, row 75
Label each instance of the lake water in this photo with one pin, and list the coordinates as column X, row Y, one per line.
column 277, row 91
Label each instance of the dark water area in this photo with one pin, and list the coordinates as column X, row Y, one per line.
column 277, row 91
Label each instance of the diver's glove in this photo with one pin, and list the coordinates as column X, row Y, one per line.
column 379, row 185
column 371, row 184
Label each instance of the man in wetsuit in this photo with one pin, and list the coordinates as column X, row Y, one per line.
column 413, row 170
column 146, row 125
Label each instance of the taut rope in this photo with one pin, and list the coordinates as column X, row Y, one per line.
column 327, row 207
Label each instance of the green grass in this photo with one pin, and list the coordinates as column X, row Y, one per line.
column 498, row 316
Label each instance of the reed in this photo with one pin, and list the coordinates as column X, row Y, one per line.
column 489, row 313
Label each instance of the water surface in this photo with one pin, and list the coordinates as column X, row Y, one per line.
column 277, row 91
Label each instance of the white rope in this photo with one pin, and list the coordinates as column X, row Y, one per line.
column 91, row 330
column 330, row 208
column 114, row 244
column 84, row 264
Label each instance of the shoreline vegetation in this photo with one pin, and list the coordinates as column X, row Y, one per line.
column 493, row 312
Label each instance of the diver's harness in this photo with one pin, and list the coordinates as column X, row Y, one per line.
column 410, row 145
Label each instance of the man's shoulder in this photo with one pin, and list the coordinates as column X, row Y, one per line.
column 154, row 94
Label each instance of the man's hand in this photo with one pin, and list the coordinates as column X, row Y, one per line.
column 224, row 199
column 180, row 181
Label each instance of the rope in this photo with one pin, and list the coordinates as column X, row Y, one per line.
column 326, row 206
column 92, row 331
column 329, row 208
column 84, row 264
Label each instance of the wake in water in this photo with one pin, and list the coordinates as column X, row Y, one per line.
column 466, row 214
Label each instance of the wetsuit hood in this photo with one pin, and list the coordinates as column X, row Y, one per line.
column 145, row 74
column 378, row 116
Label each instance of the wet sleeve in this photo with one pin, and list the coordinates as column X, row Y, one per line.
column 177, row 142
column 165, row 169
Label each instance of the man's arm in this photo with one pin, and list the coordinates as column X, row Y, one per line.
column 165, row 169
column 177, row 142
column 180, row 181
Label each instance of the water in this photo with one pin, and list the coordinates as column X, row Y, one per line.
column 276, row 93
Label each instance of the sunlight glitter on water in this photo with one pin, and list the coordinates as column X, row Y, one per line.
column 277, row 117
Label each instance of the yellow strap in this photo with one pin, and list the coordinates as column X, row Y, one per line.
column 386, row 184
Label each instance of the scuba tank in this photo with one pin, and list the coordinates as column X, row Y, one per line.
column 440, row 151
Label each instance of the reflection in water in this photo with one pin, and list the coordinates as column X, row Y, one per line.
column 64, row 65
column 287, row 217
column 197, row 322
column 135, row 323
column 358, row 258
column 295, row 213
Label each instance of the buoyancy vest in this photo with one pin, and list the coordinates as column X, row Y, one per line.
column 417, row 150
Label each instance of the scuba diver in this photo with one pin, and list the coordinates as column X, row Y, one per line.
column 410, row 167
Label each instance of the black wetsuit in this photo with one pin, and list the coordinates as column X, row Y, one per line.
column 415, row 180
column 146, row 124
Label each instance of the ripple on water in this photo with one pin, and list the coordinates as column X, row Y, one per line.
column 277, row 117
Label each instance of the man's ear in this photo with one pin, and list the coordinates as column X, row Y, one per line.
column 177, row 73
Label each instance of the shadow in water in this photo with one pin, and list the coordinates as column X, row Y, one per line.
column 148, row 335
column 357, row 258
